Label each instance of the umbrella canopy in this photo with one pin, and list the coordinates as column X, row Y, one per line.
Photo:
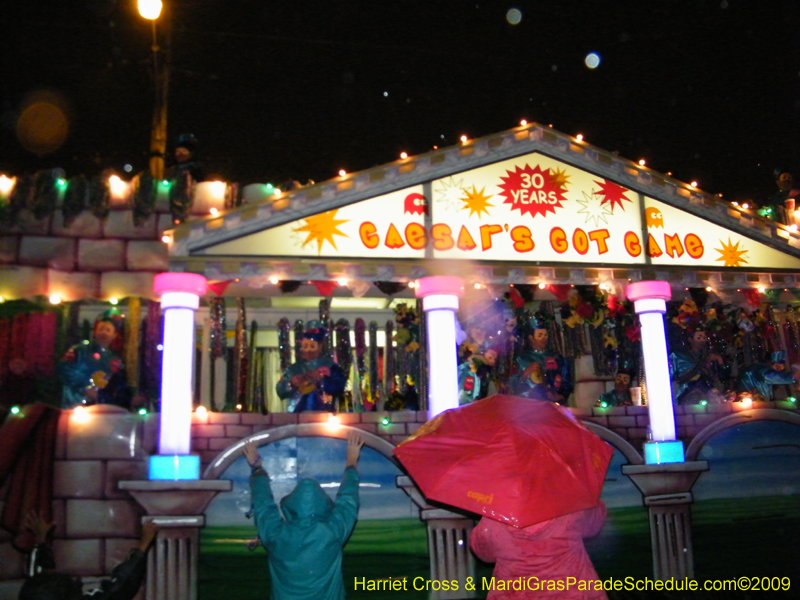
column 515, row 460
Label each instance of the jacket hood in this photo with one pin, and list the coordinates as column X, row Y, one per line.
column 306, row 501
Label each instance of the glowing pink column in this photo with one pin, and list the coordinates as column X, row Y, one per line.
column 649, row 300
column 440, row 296
column 180, row 298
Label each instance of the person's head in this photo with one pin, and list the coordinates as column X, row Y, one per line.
column 307, row 501
column 784, row 179
column 477, row 332
column 698, row 339
column 778, row 360
column 622, row 382
column 185, row 147
column 106, row 328
column 490, row 356
column 311, row 344
column 539, row 339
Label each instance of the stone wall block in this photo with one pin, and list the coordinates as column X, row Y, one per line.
column 102, row 518
column 115, row 550
column 52, row 252
column 146, row 255
column 238, row 431
column 28, row 223
column 393, row 429
column 350, row 418
column 285, row 419
column 226, row 418
column 119, row 224
column 12, row 562
column 9, row 249
column 84, row 225
column 59, row 518
column 101, row 255
column 255, row 419
column 78, row 479
column 622, row 421
column 164, row 222
column 221, row 443
column 122, row 284
column 199, row 444
column 72, row 286
column 208, row 431
column 150, row 432
column 111, row 436
column 9, row 589
column 78, row 557
column 122, row 470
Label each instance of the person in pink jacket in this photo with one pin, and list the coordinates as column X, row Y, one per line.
column 545, row 560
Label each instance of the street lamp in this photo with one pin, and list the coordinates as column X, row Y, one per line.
column 151, row 10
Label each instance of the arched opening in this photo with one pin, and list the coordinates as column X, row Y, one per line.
column 748, row 502
column 622, row 548
column 389, row 539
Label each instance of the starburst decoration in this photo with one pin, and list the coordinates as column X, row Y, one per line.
column 560, row 178
column 448, row 192
column 321, row 228
column 594, row 208
column 476, row 201
column 612, row 193
column 731, row 254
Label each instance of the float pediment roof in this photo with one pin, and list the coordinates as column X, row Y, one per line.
column 608, row 197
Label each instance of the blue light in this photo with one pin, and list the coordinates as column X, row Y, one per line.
column 174, row 467
column 659, row 453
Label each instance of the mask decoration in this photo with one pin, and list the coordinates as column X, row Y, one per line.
column 653, row 217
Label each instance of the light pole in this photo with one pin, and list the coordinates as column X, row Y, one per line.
column 151, row 10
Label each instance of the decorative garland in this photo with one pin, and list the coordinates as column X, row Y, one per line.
column 99, row 197
column 284, row 343
column 361, row 346
column 45, row 193
column 299, row 330
column 344, row 352
column 389, row 358
column 240, row 354
column 145, row 195
column 374, row 392
column 74, row 198
column 133, row 325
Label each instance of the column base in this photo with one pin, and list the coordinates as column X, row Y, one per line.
column 659, row 453
column 174, row 467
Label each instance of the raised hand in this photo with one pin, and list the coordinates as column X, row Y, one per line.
column 251, row 454
column 354, row 443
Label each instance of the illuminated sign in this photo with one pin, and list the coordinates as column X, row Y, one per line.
column 531, row 208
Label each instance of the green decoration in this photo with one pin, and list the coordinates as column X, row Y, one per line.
column 180, row 197
column 45, row 193
column 145, row 194
column 74, row 199
column 99, row 197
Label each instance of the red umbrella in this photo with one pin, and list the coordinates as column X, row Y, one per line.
column 515, row 460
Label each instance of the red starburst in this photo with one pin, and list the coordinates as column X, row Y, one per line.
column 532, row 190
column 612, row 193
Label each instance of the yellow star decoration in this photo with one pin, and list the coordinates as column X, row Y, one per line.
column 476, row 202
column 321, row 228
column 731, row 254
column 560, row 178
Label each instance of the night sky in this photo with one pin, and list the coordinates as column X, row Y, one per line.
column 706, row 89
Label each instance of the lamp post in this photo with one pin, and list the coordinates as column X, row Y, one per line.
column 151, row 10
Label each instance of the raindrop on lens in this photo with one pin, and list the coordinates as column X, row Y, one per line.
column 592, row 60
